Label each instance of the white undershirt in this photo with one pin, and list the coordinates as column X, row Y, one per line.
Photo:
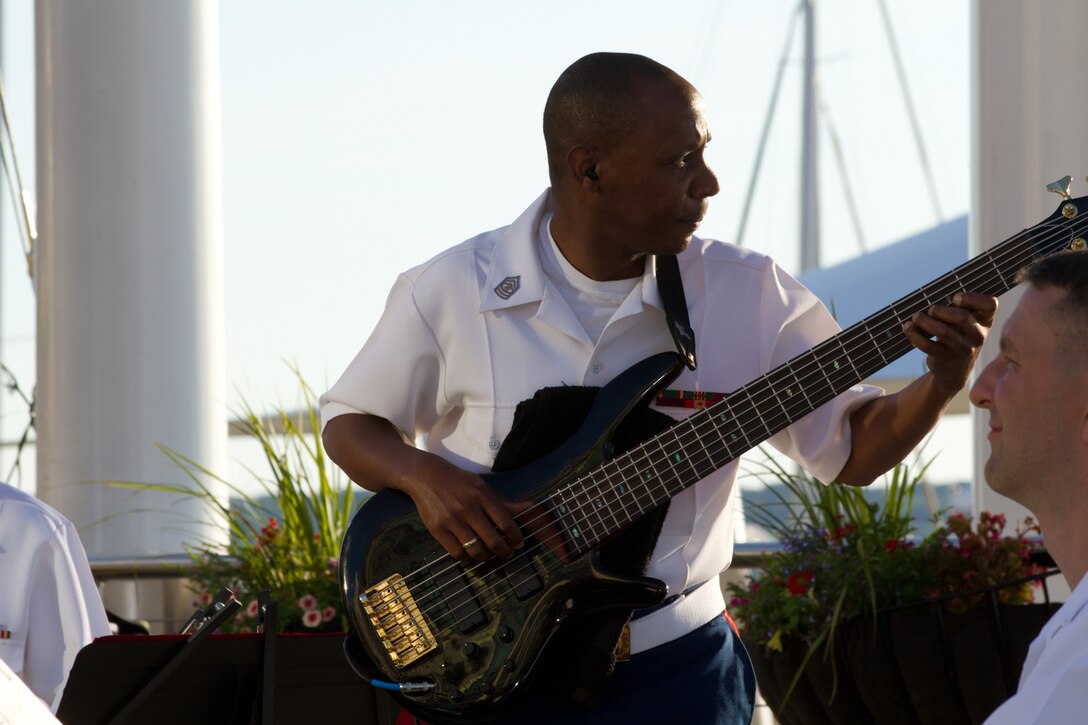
column 593, row 302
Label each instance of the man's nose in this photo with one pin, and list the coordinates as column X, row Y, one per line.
column 981, row 391
column 708, row 184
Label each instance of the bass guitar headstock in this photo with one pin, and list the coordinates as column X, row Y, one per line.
column 1071, row 209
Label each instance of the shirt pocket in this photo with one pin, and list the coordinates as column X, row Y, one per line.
column 485, row 428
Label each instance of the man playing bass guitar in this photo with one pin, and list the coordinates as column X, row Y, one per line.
column 569, row 295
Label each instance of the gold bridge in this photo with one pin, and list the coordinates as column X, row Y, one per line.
column 398, row 621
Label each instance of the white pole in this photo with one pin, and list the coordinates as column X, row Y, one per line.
column 130, row 288
column 1028, row 106
column 810, row 199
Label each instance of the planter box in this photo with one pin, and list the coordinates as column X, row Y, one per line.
column 913, row 665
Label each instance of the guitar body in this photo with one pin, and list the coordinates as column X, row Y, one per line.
column 476, row 631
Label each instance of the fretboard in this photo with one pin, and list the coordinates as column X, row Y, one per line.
column 605, row 501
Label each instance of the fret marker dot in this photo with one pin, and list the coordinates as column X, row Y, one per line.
column 836, row 364
column 575, row 532
column 599, row 503
column 623, row 488
column 676, row 457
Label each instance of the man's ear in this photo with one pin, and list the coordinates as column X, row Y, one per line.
column 582, row 163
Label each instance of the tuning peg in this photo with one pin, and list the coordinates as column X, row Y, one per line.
column 1061, row 186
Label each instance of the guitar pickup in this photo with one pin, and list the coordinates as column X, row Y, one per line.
column 457, row 593
column 523, row 577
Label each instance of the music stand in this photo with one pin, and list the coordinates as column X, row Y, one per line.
column 219, row 678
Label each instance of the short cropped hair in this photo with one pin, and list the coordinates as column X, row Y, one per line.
column 1066, row 270
column 595, row 102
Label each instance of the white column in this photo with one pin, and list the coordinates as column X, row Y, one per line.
column 1029, row 113
column 130, row 287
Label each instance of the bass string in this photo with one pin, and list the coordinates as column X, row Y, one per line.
column 952, row 283
column 1012, row 257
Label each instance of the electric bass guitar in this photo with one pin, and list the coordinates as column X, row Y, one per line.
column 460, row 641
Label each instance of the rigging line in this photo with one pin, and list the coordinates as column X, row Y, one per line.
column 18, row 189
column 840, row 161
column 944, row 286
column 758, row 164
column 717, row 9
column 919, row 142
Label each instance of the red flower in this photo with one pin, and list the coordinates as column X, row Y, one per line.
column 843, row 532
column 799, row 582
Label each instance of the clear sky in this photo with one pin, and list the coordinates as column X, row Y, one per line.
column 361, row 138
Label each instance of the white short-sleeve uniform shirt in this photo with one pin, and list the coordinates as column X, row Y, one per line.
column 469, row 334
column 1054, row 682
column 49, row 604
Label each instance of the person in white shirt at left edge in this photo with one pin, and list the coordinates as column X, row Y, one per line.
column 49, row 604
column 1036, row 394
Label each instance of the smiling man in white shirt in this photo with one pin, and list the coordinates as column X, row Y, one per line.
column 1036, row 392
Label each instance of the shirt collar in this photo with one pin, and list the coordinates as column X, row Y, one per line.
column 515, row 276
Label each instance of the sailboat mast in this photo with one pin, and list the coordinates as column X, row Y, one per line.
column 810, row 202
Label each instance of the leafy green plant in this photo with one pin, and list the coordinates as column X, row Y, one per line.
column 287, row 541
column 844, row 557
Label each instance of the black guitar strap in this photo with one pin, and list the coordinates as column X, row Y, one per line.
column 582, row 656
column 669, row 284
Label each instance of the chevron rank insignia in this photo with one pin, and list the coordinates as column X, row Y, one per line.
column 508, row 287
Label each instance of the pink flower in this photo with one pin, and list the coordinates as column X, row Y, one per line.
column 311, row 618
column 204, row 599
column 251, row 610
column 308, row 602
column 328, row 614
